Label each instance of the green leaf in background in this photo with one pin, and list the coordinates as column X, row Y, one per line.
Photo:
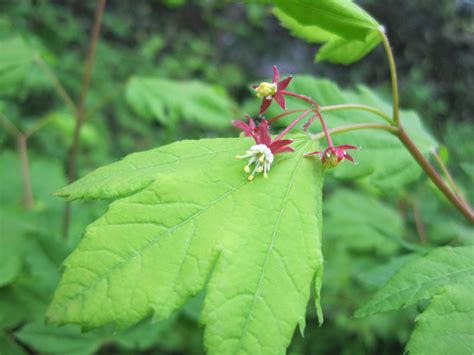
column 58, row 341
column 341, row 17
column 191, row 218
column 365, row 223
column 446, row 326
column 16, row 58
column 172, row 101
column 446, row 277
column 337, row 49
column 382, row 162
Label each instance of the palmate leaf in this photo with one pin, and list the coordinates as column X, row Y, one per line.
column 446, row 277
column 191, row 218
column 348, row 33
column 169, row 101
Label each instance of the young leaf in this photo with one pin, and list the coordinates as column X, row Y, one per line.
column 341, row 51
column 169, row 101
column 341, row 17
column 336, row 49
column 192, row 217
column 423, row 278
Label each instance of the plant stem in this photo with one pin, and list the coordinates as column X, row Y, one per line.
column 22, row 146
column 325, row 130
column 302, row 97
column 71, row 168
column 357, row 127
column 460, row 204
column 357, row 107
column 446, row 172
column 393, row 76
column 420, row 227
column 286, row 113
column 61, row 91
column 9, row 126
column 292, row 124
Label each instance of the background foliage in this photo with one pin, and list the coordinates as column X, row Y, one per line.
column 222, row 48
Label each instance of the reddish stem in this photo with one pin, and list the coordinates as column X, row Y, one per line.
column 286, row 113
column 292, row 124
column 302, row 97
column 325, row 129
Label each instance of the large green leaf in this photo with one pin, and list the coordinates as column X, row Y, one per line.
column 191, row 218
column 446, row 277
column 337, row 49
column 169, row 101
column 382, row 162
column 341, row 17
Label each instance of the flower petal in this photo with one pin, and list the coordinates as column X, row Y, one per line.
column 284, row 149
column 263, row 135
column 265, row 104
column 348, row 157
column 278, row 146
column 276, row 74
column 280, row 99
column 241, row 125
column 282, row 85
column 251, row 121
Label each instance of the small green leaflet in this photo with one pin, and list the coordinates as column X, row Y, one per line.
column 186, row 218
column 446, row 277
column 338, row 50
column 169, row 101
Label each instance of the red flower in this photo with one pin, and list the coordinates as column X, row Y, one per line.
column 262, row 152
column 247, row 128
column 262, row 135
column 273, row 90
column 332, row 156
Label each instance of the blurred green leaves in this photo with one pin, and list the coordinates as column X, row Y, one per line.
column 172, row 101
column 16, row 58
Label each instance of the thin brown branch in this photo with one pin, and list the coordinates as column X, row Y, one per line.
column 80, row 113
column 9, row 126
column 458, row 202
column 446, row 172
column 60, row 90
column 420, row 227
